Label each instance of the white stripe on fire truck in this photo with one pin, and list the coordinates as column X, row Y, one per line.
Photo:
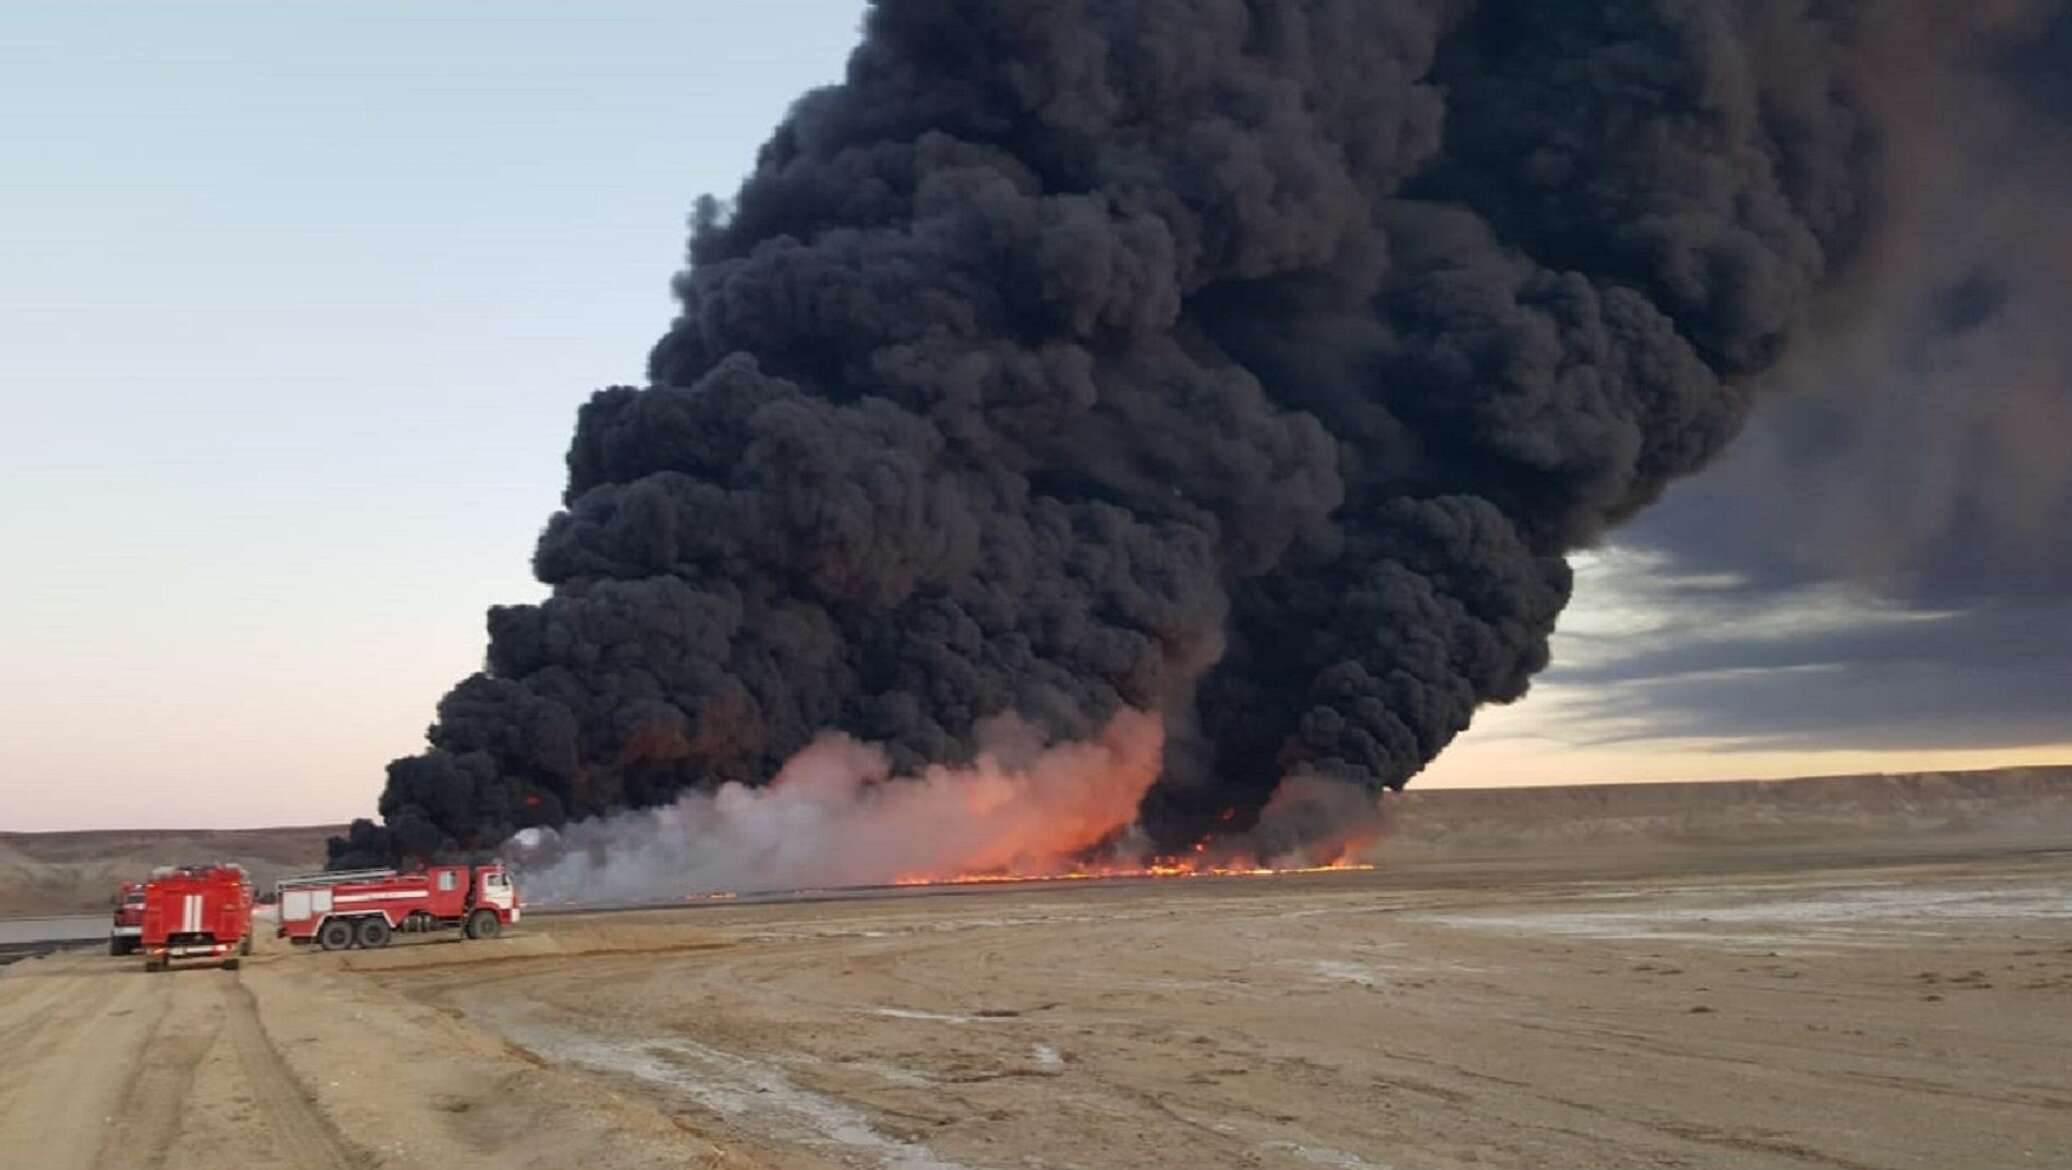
column 381, row 897
column 190, row 914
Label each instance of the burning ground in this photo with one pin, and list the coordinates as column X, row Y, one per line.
column 693, row 850
column 835, row 818
column 1211, row 391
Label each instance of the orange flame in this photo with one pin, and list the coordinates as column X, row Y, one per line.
column 1163, row 868
column 1197, row 866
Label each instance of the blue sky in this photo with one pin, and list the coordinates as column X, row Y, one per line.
column 298, row 302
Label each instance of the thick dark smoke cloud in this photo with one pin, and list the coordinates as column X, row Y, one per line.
column 1919, row 442
column 1250, row 363
column 1914, row 451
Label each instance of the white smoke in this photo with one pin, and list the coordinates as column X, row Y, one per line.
column 835, row 816
column 1316, row 820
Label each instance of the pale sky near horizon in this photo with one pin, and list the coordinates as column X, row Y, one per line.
column 300, row 299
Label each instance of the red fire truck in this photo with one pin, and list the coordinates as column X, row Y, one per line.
column 366, row 907
column 127, row 928
column 196, row 912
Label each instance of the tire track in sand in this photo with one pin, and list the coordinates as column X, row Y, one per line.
column 289, row 1111
column 155, row 1094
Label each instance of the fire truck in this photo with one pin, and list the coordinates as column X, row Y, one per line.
column 196, row 912
column 126, row 931
column 368, row 907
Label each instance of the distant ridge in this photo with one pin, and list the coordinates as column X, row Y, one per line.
column 75, row 872
column 2032, row 804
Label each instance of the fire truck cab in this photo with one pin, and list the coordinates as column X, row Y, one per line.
column 367, row 907
column 126, row 927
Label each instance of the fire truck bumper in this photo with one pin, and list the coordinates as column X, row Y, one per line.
column 515, row 913
column 126, row 931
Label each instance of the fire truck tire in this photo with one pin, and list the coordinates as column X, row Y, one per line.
column 244, row 945
column 152, row 965
column 483, row 924
column 336, row 935
column 372, row 932
column 230, row 964
column 116, row 947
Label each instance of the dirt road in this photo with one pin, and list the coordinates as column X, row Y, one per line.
column 107, row 1068
column 289, row 1064
column 1847, row 1015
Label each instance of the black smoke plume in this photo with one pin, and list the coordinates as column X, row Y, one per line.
column 1253, row 363
column 1919, row 445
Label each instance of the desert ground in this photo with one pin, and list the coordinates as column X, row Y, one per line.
column 1780, row 1006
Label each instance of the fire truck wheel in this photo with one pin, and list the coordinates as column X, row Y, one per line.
column 244, row 945
column 230, row 964
column 373, row 932
column 115, row 947
column 483, row 924
column 336, row 935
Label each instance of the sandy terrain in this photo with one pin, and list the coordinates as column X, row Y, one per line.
column 1700, row 1010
